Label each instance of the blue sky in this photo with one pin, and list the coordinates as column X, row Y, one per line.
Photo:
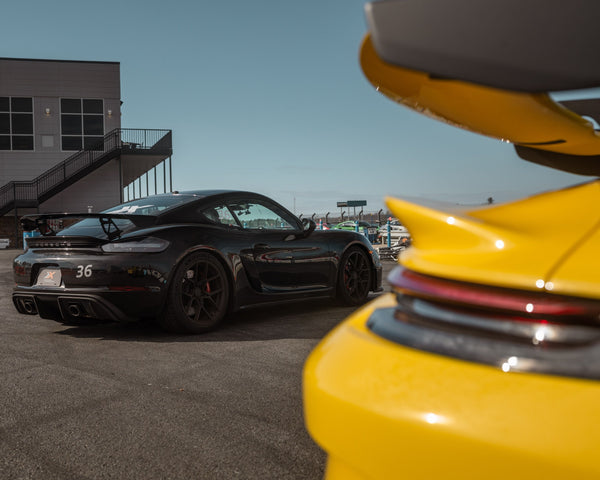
column 268, row 95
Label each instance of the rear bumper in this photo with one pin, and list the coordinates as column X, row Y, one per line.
column 382, row 410
column 90, row 285
column 89, row 305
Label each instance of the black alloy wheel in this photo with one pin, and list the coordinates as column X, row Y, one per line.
column 354, row 277
column 198, row 296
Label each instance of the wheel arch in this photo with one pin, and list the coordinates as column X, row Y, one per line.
column 363, row 247
column 367, row 251
column 231, row 302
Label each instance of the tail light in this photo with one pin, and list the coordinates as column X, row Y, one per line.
column 515, row 330
column 519, row 304
column 144, row 245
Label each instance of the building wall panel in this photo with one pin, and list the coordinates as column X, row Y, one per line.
column 60, row 78
column 99, row 190
column 47, row 81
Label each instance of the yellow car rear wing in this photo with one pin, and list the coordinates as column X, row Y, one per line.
column 534, row 122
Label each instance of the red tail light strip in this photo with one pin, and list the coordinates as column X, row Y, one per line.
column 530, row 304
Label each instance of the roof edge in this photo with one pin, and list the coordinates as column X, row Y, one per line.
column 56, row 60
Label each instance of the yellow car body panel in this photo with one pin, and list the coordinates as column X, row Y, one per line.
column 430, row 384
column 384, row 411
column 578, row 274
column 526, row 119
column 532, row 244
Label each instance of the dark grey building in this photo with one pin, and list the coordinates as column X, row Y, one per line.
column 62, row 147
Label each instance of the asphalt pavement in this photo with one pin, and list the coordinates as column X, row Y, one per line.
column 128, row 401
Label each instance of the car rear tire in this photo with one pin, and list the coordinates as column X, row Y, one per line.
column 354, row 277
column 198, row 295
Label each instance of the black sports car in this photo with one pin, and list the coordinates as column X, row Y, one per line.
column 185, row 259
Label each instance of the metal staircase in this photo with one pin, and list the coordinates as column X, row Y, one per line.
column 121, row 141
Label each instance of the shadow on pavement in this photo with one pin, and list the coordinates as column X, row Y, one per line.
column 308, row 319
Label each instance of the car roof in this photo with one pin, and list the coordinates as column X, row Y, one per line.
column 200, row 194
column 203, row 193
column 206, row 196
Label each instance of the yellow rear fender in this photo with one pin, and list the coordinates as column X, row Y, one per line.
column 519, row 245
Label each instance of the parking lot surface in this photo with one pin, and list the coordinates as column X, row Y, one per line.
column 130, row 401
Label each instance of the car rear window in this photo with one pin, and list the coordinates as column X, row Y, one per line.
column 91, row 227
column 151, row 205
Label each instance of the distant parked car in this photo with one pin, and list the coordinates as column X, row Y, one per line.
column 372, row 230
column 398, row 233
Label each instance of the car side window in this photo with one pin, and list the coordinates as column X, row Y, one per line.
column 254, row 215
column 219, row 214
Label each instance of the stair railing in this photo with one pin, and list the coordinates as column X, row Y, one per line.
column 30, row 192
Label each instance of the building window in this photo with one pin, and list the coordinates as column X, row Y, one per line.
column 81, row 123
column 16, row 123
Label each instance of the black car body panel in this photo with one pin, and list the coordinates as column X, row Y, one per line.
column 120, row 266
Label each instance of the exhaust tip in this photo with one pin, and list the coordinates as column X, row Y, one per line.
column 74, row 310
column 26, row 304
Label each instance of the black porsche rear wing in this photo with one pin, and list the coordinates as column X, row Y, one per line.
column 40, row 221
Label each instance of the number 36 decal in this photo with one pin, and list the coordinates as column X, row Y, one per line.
column 84, row 271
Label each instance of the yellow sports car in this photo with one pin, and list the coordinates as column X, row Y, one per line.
column 484, row 360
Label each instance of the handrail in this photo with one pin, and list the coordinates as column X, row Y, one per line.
column 128, row 139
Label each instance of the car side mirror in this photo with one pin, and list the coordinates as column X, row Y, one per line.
column 308, row 227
